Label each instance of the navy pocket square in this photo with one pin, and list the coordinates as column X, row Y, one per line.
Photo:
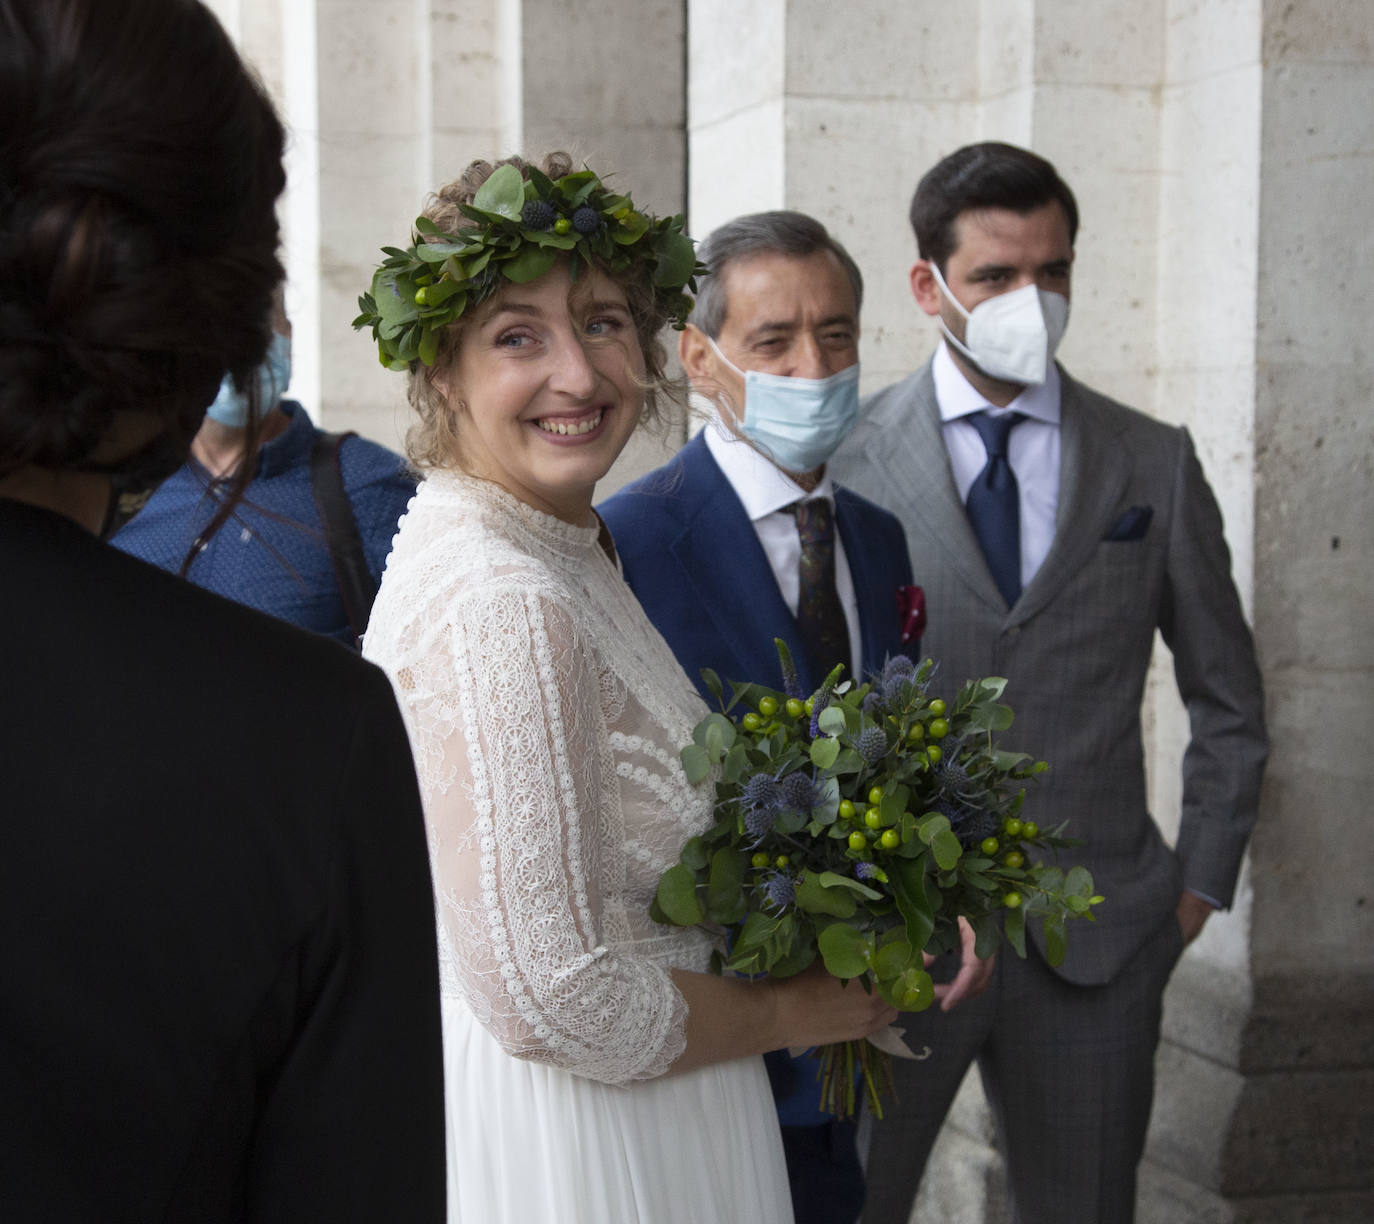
column 1132, row 525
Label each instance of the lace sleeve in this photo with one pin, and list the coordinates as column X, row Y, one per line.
column 521, row 802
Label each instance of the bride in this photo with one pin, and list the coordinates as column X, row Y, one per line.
column 594, row 1070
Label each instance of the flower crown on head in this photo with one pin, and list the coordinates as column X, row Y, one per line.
column 519, row 227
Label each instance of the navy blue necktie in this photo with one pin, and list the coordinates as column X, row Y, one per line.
column 993, row 504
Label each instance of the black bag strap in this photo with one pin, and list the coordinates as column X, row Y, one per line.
column 356, row 586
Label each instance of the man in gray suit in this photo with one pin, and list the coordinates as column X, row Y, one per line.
column 1054, row 531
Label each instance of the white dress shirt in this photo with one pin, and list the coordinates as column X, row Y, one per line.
column 766, row 491
column 1033, row 450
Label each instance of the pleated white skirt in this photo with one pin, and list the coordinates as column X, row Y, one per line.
column 528, row 1144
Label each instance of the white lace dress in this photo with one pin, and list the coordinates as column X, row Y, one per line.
column 546, row 715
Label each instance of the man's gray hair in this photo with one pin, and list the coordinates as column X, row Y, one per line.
column 780, row 233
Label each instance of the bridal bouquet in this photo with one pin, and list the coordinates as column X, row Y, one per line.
column 858, row 825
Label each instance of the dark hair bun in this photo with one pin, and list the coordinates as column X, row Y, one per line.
column 139, row 169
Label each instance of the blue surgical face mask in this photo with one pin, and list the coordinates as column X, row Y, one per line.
column 797, row 422
column 274, row 376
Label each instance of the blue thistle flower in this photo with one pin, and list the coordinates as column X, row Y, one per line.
column 952, row 775
column 537, row 215
column 798, row 792
column 898, row 665
column 865, row 871
column 873, row 702
column 586, row 221
column 761, row 791
column 896, row 689
column 970, row 826
column 758, row 822
column 872, row 744
column 779, row 889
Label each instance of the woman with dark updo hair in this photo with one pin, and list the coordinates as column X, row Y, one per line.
column 218, row 987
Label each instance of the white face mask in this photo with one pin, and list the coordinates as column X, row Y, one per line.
column 797, row 422
column 1012, row 336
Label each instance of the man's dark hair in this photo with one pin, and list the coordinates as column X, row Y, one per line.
column 780, row 233
column 987, row 175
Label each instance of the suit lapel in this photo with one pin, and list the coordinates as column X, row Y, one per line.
column 908, row 448
column 724, row 565
column 1093, row 471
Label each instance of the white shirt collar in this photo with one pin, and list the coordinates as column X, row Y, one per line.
column 762, row 487
column 958, row 398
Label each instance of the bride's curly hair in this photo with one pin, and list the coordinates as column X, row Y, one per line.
column 139, row 168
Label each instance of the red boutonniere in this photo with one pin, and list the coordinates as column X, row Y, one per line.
column 911, row 612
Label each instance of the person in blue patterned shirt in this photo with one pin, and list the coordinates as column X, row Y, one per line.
column 270, row 553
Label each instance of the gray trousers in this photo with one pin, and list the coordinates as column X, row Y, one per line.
column 1068, row 1070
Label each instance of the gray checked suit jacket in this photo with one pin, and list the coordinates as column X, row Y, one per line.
column 1138, row 546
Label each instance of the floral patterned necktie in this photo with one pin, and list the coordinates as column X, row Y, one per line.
column 820, row 615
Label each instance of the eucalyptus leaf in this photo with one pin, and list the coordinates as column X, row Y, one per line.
column 1014, row 927
column 725, row 886
column 824, row 752
column 1079, row 882
column 677, row 896
column 846, row 951
column 503, row 193
column 914, row 991
column 848, row 762
column 947, row 849
column 715, row 728
column 695, row 763
column 831, row 720
column 736, row 763
column 813, row 897
column 676, row 258
column 1056, row 942
column 529, row 265
column 695, row 855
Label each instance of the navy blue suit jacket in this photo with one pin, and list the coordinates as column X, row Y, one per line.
column 694, row 561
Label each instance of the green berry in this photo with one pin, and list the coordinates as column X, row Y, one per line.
column 890, row 839
column 768, row 706
column 1012, row 900
column 875, row 795
column 989, row 846
column 939, row 728
column 795, row 708
column 872, row 819
column 857, row 841
column 760, row 860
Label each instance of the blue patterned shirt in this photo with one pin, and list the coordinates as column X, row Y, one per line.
column 271, row 554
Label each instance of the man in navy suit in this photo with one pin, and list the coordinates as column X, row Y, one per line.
column 742, row 538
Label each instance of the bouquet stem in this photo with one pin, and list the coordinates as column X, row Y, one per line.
column 839, row 1062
